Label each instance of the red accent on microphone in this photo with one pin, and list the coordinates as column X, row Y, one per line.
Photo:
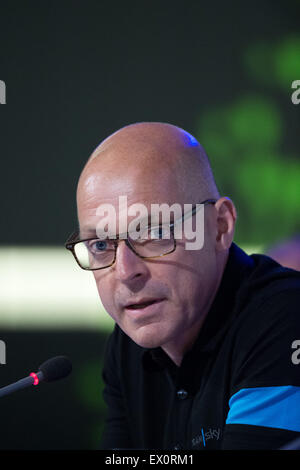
column 36, row 379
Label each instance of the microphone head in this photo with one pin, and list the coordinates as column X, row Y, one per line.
column 56, row 368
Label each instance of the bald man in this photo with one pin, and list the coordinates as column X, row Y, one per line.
column 201, row 354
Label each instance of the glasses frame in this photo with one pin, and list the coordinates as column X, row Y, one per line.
column 73, row 240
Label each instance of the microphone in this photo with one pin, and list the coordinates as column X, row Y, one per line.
column 53, row 369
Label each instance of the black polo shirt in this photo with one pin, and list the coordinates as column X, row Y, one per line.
column 239, row 385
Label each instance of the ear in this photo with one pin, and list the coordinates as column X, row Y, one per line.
column 225, row 223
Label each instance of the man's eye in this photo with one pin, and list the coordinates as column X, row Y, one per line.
column 98, row 246
column 158, row 232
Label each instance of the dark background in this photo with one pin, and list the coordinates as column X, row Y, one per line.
column 75, row 72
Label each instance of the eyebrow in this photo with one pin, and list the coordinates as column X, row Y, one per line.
column 86, row 231
column 91, row 231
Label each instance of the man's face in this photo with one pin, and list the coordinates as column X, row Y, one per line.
column 159, row 301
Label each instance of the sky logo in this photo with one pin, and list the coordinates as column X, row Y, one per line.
column 2, row 92
column 205, row 436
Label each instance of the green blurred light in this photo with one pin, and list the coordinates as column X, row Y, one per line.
column 243, row 140
column 287, row 61
column 258, row 61
column 275, row 64
column 254, row 121
column 89, row 386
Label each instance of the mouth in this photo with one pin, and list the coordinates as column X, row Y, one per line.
column 143, row 306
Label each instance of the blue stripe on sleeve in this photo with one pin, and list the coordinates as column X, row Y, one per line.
column 275, row 407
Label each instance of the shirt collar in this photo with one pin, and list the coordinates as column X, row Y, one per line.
column 223, row 309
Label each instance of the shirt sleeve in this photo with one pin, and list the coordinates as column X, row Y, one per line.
column 264, row 404
column 116, row 430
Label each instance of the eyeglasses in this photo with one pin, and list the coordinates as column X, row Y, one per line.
column 156, row 241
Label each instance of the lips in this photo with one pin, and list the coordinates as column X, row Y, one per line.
column 143, row 303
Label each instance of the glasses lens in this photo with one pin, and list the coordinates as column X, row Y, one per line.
column 153, row 241
column 95, row 254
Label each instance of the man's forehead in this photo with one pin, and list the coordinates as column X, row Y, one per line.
column 127, row 201
column 133, row 201
column 98, row 188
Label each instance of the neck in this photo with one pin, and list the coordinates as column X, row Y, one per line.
column 177, row 348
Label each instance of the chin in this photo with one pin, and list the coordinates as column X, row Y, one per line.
column 148, row 336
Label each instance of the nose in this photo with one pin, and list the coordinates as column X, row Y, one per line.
column 129, row 267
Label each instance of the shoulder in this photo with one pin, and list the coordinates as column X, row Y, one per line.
column 265, row 329
column 270, row 289
column 271, row 276
column 271, row 300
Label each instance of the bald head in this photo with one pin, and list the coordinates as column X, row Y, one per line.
column 151, row 150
